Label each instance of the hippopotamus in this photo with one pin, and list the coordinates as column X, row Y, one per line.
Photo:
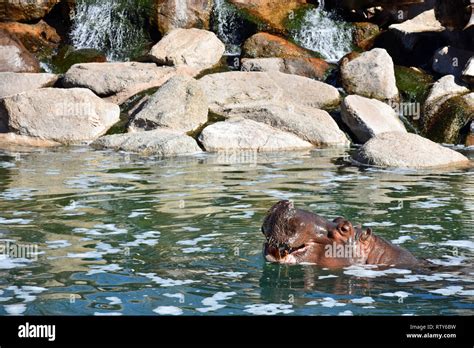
column 297, row 236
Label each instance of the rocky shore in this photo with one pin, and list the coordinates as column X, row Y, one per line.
column 407, row 74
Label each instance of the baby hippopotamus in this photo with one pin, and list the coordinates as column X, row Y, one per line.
column 296, row 236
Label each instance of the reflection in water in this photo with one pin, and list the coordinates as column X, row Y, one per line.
column 123, row 235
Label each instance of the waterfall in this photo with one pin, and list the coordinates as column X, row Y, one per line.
column 322, row 33
column 227, row 22
column 114, row 27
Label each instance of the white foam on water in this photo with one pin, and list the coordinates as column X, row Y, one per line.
column 399, row 294
column 269, row 309
column 327, row 276
column 467, row 244
column 127, row 176
column 146, row 238
column 166, row 282
column 96, row 269
column 135, row 214
column 212, row 303
column 448, row 291
column 329, row 302
column 114, row 300
column 247, row 215
column 168, row 310
column 191, row 229
column 195, row 250
column 7, row 262
column 449, row 260
column 4, row 221
column 101, row 230
column 401, row 239
column 74, row 205
column 456, row 211
column 424, row 227
column 346, row 313
column 4, row 164
column 380, row 224
column 367, row 272
column 179, row 296
column 195, row 241
column 363, row 300
column 228, row 274
column 58, row 244
column 417, row 277
column 11, row 194
column 85, row 255
column 15, row 309
column 107, row 314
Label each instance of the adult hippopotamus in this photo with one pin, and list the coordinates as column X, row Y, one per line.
column 297, row 236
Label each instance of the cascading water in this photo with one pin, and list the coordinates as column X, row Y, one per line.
column 114, row 27
column 321, row 33
column 227, row 22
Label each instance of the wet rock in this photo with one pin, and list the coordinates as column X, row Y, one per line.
column 67, row 116
column 365, row 34
column 468, row 72
column 69, row 56
column 367, row 118
column 196, row 48
column 310, row 124
column 14, row 83
column 407, row 150
column 233, row 89
column 243, row 134
column 12, row 140
column 470, row 135
column 455, row 14
column 25, row 10
column 271, row 15
column 172, row 14
column 179, row 104
column 413, row 84
column 14, row 57
column 370, row 75
column 36, row 37
column 451, row 60
column 265, row 45
column 118, row 81
column 451, row 117
column 160, row 142
column 313, row 68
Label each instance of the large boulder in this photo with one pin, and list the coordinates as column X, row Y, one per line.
column 451, row 61
column 196, row 48
column 14, row 56
column 371, row 75
column 67, row 116
column 455, row 14
column 36, row 37
column 233, row 89
column 172, row 14
column 118, row 81
column 407, row 150
column 13, row 140
column 310, row 124
column 179, row 104
column 248, row 135
column 270, row 14
column 313, row 68
column 369, row 117
column 159, row 142
column 25, row 10
column 265, row 45
column 14, row 83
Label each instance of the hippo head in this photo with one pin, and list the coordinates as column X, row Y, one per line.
column 296, row 236
column 365, row 240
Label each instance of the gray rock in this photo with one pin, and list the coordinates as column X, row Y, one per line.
column 248, row 135
column 14, row 83
column 369, row 117
column 468, row 72
column 313, row 68
column 407, row 150
column 118, row 81
column 371, row 75
column 232, row 89
column 12, row 140
column 159, row 142
column 196, row 48
column 451, row 60
column 67, row 116
column 14, row 57
column 179, row 104
column 310, row 124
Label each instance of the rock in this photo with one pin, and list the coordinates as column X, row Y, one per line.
column 451, row 61
column 14, row 57
column 118, row 81
column 160, row 142
column 25, row 10
column 14, row 83
column 196, row 48
column 242, row 134
column 365, row 34
column 470, row 135
column 69, row 56
column 264, row 45
column 446, row 124
column 413, row 84
column 233, row 89
column 369, row 117
column 67, row 116
column 270, row 14
column 172, row 14
column 443, row 89
column 313, row 125
column 455, row 14
column 313, row 68
column 370, row 75
column 468, row 72
column 36, row 37
column 407, row 150
column 180, row 104
column 12, row 140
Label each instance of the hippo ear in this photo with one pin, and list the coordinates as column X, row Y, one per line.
column 366, row 234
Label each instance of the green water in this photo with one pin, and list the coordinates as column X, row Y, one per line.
column 122, row 235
